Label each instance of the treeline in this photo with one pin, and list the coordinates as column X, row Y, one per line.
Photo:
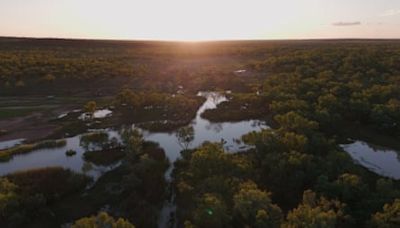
column 138, row 100
column 356, row 85
column 27, row 66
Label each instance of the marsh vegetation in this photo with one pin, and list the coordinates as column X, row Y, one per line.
column 213, row 134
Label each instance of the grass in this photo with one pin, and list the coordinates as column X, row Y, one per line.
column 7, row 154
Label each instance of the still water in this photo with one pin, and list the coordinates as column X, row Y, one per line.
column 10, row 143
column 57, row 157
column 203, row 129
column 380, row 160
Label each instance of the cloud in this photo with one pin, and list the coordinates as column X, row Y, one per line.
column 351, row 23
column 389, row 13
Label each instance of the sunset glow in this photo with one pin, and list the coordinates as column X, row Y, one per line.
column 200, row 20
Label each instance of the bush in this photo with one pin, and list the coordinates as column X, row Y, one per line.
column 7, row 154
column 70, row 153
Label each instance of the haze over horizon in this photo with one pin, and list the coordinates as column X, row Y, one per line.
column 190, row 20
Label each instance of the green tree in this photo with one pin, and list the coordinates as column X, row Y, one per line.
column 128, row 97
column 389, row 217
column 315, row 213
column 185, row 136
column 90, row 108
column 133, row 140
column 211, row 212
column 293, row 121
column 102, row 220
column 208, row 160
column 7, row 194
column 94, row 141
column 254, row 207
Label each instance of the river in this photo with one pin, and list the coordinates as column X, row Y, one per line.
column 383, row 161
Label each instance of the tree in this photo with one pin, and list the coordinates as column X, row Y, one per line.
column 7, row 194
column 293, row 121
column 389, row 218
column 133, row 140
column 94, row 141
column 208, row 160
column 211, row 212
column 315, row 213
column 185, row 136
column 102, row 220
column 128, row 97
column 254, row 207
column 90, row 108
column 350, row 188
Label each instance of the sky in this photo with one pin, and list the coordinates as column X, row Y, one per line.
column 200, row 19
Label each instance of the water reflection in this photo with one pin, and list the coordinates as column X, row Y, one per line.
column 378, row 159
column 203, row 131
column 56, row 157
column 10, row 143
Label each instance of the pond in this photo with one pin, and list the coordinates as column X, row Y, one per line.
column 57, row 157
column 380, row 160
column 203, row 131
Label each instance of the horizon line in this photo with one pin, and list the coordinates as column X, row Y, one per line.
column 193, row 41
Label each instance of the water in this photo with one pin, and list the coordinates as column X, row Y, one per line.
column 10, row 143
column 62, row 115
column 203, row 131
column 56, row 157
column 383, row 161
column 380, row 160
